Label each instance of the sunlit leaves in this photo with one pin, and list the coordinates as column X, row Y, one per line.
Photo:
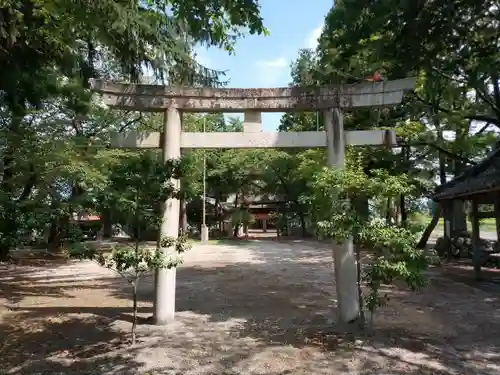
column 392, row 248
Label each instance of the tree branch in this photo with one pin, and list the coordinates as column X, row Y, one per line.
column 30, row 184
column 440, row 149
column 485, row 118
column 483, row 128
column 131, row 122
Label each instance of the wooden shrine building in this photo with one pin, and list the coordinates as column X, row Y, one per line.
column 478, row 185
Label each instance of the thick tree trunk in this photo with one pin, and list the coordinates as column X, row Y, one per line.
column 402, row 207
column 106, row 223
column 55, row 240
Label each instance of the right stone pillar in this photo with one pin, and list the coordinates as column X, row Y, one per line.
column 344, row 257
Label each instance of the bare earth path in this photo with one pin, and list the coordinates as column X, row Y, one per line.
column 260, row 307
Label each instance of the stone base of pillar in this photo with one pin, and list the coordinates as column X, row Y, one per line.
column 346, row 280
column 204, row 233
column 164, row 313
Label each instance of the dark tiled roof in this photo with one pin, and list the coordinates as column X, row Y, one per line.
column 481, row 178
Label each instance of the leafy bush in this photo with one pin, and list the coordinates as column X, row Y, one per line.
column 391, row 248
column 131, row 262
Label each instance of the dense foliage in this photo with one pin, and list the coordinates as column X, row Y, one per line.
column 54, row 133
column 56, row 163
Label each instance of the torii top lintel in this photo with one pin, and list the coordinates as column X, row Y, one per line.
column 157, row 98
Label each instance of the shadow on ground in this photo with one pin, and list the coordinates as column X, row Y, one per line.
column 268, row 315
column 18, row 283
column 62, row 344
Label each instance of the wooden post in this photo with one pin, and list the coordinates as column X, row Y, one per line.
column 447, row 212
column 476, row 250
column 497, row 214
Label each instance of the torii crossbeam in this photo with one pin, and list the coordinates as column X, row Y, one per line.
column 329, row 99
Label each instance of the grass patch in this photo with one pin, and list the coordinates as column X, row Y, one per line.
column 488, row 224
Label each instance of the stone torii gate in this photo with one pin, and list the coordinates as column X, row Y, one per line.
column 330, row 100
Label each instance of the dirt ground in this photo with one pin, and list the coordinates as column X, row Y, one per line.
column 252, row 308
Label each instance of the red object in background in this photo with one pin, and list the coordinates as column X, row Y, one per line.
column 377, row 77
column 261, row 216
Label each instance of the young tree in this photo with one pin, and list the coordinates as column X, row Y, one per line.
column 391, row 249
column 133, row 183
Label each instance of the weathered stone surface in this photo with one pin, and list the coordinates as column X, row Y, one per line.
column 254, row 140
column 252, row 122
column 252, row 93
column 157, row 98
column 461, row 246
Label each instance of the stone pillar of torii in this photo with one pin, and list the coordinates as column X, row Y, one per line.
column 331, row 100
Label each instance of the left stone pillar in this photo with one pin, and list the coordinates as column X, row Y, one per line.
column 344, row 256
column 164, row 309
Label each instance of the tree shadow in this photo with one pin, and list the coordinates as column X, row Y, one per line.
column 273, row 314
column 43, row 280
column 286, row 298
column 63, row 345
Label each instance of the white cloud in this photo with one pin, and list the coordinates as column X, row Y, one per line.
column 271, row 72
column 202, row 58
column 312, row 40
column 279, row 62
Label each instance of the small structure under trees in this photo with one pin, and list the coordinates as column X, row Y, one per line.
column 479, row 185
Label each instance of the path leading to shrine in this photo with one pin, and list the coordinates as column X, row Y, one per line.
column 256, row 307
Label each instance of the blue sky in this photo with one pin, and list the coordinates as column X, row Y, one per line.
column 262, row 61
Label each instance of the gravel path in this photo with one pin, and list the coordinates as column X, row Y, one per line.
column 252, row 308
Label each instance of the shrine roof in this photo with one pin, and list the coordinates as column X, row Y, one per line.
column 480, row 179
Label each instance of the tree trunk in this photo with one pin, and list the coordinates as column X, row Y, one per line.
column 106, row 223
column 237, row 226
column 236, row 230
column 8, row 237
column 134, row 314
column 402, row 207
column 183, row 221
column 8, row 226
column 303, row 223
column 405, row 153
column 54, row 242
column 56, row 232
column 388, row 212
column 430, row 228
column 5, row 248
column 459, row 218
